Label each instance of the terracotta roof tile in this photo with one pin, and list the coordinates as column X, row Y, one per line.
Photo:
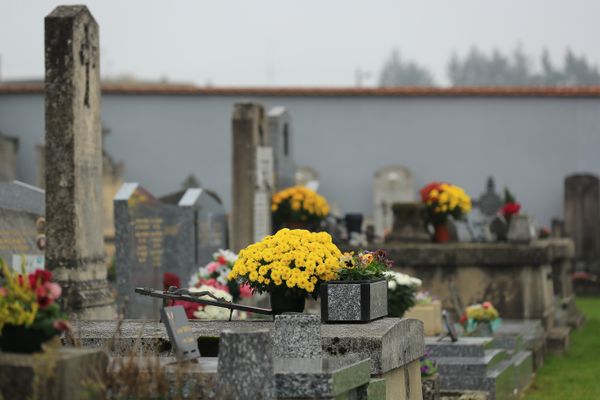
column 165, row 89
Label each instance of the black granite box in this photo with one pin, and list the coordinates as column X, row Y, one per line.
column 354, row 301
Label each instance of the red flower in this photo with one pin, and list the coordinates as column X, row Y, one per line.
column 463, row 318
column 486, row 305
column 427, row 189
column 47, row 293
column 510, row 209
column 170, row 279
column 39, row 277
column 221, row 260
column 189, row 307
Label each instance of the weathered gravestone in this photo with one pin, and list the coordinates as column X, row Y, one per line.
column 582, row 218
column 75, row 248
column 21, row 226
column 210, row 222
column 151, row 238
column 393, row 184
column 253, row 180
column 281, row 140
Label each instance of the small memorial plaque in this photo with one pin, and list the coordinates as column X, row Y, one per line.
column 185, row 345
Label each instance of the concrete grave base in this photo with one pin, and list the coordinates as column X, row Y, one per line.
column 54, row 375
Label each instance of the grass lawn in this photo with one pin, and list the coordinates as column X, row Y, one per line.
column 577, row 375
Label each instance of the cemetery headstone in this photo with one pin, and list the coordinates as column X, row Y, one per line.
column 75, row 246
column 22, row 239
column 151, row 238
column 185, row 345
column 393, row 184
column 281, row 140
column 263, row 192
column 582, row 217
column 245, row 366
column 252, row 168
column 210, row 223
column 409, row 223
column 8, row 157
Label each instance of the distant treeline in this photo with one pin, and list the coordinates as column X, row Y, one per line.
column 477, row 68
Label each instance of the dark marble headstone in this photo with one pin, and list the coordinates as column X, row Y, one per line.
column 185, row 345
column 151, row 238
column 21, row 228
column 210, row 222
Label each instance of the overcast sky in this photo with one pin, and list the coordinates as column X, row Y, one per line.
column 304, row 42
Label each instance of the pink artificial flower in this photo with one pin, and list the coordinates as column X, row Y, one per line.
column 213, row 267
column 3, row 292
column 245, row 291
column 486, row 305
column 62, row 325
column 47, row 293
column 54, row 290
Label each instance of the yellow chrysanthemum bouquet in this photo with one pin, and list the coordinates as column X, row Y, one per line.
column 442, row 200
column 291, row 261
column 298, row 204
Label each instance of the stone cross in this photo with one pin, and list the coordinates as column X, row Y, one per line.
column 252, row 167
column 281, row 140
column 75, row 248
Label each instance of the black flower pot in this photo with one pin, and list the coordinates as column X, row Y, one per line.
column 287, row 302
column 21, row 339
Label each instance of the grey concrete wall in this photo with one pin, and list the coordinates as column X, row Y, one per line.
column 529, row 144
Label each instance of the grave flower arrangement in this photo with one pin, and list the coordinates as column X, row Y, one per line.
column 212, row 312
column 29, row 313
column 402, row 289
column 511, row 206
column 365, row 265
column 443, row 200
column 298, row 206
column 290, row 265
column 428, row 365
column 216, row 274
column 361, row 280
column 480, row 319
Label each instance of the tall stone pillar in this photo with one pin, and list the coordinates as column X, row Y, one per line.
column 74, row 229
column 582, row 218
column 252, row 166
column 281, row 140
